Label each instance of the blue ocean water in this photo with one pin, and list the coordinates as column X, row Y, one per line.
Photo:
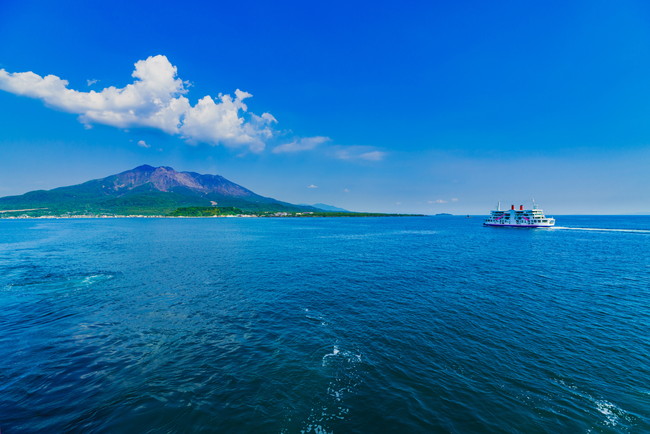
column 414, row 324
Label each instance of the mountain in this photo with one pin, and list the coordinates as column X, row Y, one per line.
column 145, row 190
column 326, row 207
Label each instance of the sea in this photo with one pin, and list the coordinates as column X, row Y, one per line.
column 324, row 325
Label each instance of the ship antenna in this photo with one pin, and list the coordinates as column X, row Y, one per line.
column 534, row 204
column 499, row 206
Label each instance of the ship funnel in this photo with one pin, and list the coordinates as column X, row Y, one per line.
column 521, row 207
column 512, row 207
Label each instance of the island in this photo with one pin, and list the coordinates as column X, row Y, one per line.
column 147, row 191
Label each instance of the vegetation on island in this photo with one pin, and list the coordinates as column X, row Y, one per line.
column 188, row 211
column 204, row 211
column 213, row 211
column 353, row 214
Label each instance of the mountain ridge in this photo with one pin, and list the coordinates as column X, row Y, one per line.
column 326, row 207
column 145, row 190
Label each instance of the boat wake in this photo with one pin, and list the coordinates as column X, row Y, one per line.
column 634, row 231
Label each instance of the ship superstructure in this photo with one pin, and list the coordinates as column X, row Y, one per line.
column 520, row 218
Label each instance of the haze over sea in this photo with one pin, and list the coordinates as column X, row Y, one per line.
column 414, row 324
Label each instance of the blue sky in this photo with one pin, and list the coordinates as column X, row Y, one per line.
column 418, row 107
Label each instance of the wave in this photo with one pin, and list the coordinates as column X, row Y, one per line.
column 358, row 236
column 315, row 317
column 58, row 282
column 612, row 415
column 634, row 231
column 343, row 368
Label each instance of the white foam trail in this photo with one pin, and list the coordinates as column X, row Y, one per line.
column 610, row 411
column 634, row 231
column 343, row 368
column 334, row 352
column 613, row 414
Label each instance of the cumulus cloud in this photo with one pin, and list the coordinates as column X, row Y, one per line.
column 92, row 81
column 312, row 186
column 302, row 144
column 219, row 122
column 143, row 144
column 155, row 99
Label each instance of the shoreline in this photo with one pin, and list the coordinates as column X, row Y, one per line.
column 198, row 217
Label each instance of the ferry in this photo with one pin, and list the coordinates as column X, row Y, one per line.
column 519, row 218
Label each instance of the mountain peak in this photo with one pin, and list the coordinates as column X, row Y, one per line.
column 144, row 168
column 166, row 179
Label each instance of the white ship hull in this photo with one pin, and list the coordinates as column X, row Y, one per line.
column 502, row 225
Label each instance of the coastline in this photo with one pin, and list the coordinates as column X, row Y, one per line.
column 351, row 215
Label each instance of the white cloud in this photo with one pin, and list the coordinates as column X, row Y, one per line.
column 439, row 201
column 346, row 190
column 312, row 186
column 301, row 144
column 92, row 81
column 219, row 122
column 143, row 144
column 155, row 99
column 359, row 153
column 372, row 156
